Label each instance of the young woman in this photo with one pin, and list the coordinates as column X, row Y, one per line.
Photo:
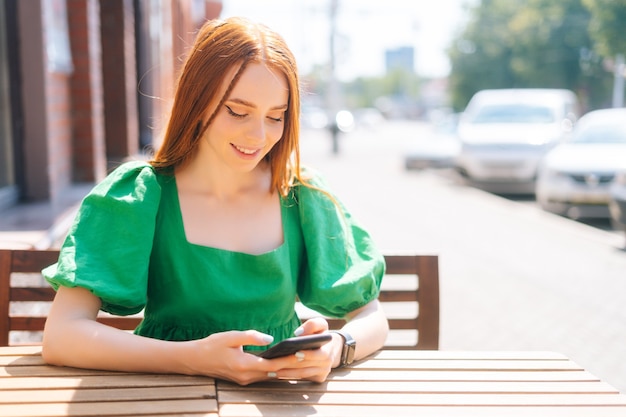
column 218, row 236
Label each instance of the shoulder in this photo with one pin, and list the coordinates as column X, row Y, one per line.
column 313, row 193
column 133, row 169
column 140, row 173
column 131, row 181
column 312, row 181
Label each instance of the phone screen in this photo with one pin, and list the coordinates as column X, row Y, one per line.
column 294, row 344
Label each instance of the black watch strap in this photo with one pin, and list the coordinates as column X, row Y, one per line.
column 349, row 346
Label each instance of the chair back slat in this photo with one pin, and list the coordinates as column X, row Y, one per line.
column 412, row 310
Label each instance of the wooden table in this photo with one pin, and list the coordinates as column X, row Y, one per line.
column 390, row 383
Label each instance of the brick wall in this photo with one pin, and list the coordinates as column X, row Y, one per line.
column 65, row 124
column 89, row 160
column 59, row 128
column 119, row 79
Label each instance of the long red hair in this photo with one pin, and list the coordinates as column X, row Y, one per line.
column 220, row 46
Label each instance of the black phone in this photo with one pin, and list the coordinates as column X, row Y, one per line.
column 295, row 344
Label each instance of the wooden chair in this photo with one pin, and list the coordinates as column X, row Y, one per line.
column 410, row 297
column 26, row 264
column 420, row 298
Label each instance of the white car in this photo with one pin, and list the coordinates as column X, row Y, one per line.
column 439, row 149
column 575, row 177
column 505, row 133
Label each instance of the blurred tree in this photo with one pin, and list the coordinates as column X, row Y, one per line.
column 608, row 26
column 399, row 84
column 481, row 54
column 536, row 43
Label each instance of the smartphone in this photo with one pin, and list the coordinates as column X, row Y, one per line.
column 294, row 344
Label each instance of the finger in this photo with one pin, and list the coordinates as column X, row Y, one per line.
column 247, row 337
column 311, row 326
column 311, row 373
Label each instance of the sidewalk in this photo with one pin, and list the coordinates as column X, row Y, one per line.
column 40, row 225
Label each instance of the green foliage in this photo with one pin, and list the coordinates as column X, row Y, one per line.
column 608, row 26
column 535, row 43
column 363, row 92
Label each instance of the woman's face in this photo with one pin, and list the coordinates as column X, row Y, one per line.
column 251, row 120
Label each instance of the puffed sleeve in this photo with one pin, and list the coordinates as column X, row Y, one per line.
column 107, row 250
column 344, row 269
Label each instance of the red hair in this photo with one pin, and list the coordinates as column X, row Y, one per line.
column 220, row 47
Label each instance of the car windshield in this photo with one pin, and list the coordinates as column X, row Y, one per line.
column 514, row 113
column 607, row 133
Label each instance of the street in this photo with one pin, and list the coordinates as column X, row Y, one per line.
column 512, row 276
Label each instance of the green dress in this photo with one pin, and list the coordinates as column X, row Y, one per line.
column 127, row 245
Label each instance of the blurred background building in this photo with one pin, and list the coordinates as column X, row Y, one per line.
column 83, row 86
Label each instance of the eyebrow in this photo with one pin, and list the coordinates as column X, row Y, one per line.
column 252, row 105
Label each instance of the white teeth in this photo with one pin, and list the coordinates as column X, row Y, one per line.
column 244, row 150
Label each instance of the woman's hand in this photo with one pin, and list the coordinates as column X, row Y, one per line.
column 221, row 355
column 313, row 365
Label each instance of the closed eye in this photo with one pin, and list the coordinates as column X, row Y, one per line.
column 232, row 113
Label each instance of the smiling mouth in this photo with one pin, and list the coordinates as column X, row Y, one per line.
column 245, row 151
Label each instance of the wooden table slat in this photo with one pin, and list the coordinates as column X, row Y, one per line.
column 452, row 375
column 473, row 365
column 449, row 399
column 498, row 387
column 278, row 410
column 470, row 355
column 108, row 394
column 51, row 371
column 104, row 381
column 28, row 360
column 105, row 409
column 20, row 350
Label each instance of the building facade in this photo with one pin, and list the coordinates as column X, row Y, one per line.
column 84, row 84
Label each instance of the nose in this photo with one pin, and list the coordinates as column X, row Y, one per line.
column 257, row 130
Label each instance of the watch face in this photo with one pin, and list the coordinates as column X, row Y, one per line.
column 350, row 353
column 349, row 346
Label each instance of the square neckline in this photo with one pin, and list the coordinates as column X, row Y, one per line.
column 181, row 226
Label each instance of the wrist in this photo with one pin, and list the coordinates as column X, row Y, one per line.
column 348, row 347
column 337, row 349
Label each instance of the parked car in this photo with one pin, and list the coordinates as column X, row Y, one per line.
column 617, row 201
column 575, row 177
column 438, row 150
column 505, row 133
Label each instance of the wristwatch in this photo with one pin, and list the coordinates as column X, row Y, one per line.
column 349, row 346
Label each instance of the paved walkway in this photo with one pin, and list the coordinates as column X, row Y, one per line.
column 513, row 277
column 40, row 225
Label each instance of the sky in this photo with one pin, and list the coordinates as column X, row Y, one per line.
column 365, row 29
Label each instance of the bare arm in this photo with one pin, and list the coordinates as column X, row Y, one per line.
column 367, row 325
column 73, row 337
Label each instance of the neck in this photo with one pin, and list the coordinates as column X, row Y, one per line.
column 212, row 178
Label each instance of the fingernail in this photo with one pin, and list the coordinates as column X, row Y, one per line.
column 300, row 356
column 268, row 338
column 271, row 375
column 298, row 331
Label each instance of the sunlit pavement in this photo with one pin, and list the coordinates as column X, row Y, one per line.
column 512, row 276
